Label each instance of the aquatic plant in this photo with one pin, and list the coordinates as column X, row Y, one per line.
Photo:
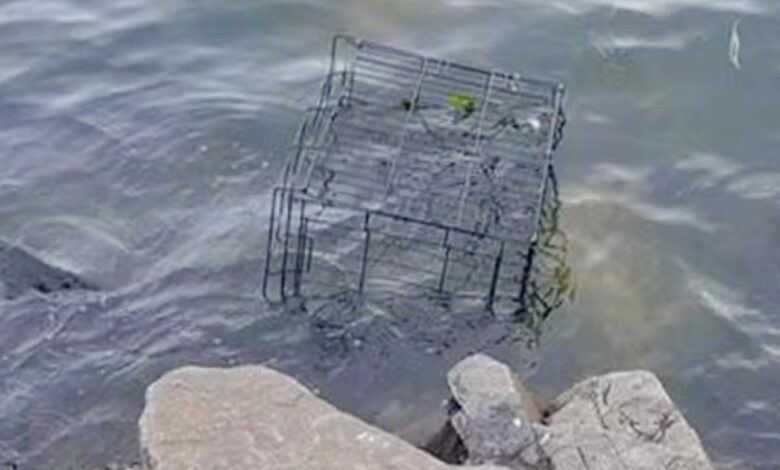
column 551, row 280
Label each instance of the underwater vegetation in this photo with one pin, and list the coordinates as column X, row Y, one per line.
column 551, row 282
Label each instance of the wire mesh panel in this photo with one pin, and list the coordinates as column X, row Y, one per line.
column 414, row 173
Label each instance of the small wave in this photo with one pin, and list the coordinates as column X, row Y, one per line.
column 617, row 185
column 85, row 246
column 734, row 46
column 713, row 165
column 645, row 210
column 663, row 7
column 708, row 170
column 673, row 41
column 61, row 12
column 728, row 304
column 598, row 119
column 757, row 186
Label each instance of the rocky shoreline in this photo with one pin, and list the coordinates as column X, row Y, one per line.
column 253, row 417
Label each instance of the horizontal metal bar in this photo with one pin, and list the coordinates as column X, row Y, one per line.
column 514, row 185
column 366, row 100
column 344, row 234
column 350, row 131
column 372, row 72
column 379, row 49
column 304, row 196
column 359, row 160
column 337, row 189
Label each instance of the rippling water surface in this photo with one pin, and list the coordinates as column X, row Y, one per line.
column 139, row 140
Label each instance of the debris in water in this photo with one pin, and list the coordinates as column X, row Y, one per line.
column 534, row 123
column 734, row 45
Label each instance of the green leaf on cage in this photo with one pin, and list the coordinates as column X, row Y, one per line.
column 462, row 102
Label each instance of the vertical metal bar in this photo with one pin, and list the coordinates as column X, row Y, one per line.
column 293, row 158
column 327, row 90
column 288, row 223
column 529, row 261
column 464, row 193
column 558, row 100
column 328, row 85
column 269, row 243
column 309, row 253
column 553, row 179
column 494, row 280
column 548, row 158
column 323, row 132
column 402, row 138
column 447, row 248
column 309, row 245
column 350, row 75
column 299, row 251
column 364, row 261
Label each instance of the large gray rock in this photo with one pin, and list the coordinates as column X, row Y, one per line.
column 494, row 414
column 252, row 418
column 621, row 421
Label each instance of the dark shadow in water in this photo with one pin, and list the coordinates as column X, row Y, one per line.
column 21, row 272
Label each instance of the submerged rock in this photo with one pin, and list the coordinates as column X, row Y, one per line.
column 621, row 421
column 256, row 418
column 21, row 272
column 494, row 414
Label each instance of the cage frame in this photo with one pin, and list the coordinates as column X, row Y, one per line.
column 292, row 239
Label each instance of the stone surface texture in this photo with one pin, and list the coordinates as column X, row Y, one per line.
column 620, row 421
column 256, row 418
column 494, row 414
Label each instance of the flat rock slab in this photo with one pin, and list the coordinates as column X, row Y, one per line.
column 621, row 421
column 256, row 418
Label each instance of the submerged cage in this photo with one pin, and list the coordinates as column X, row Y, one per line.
column 414, row 174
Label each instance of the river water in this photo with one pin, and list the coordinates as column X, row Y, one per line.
column 139, row 140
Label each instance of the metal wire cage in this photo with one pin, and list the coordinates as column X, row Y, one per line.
column 414, row 174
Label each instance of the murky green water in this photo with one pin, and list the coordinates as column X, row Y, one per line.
column 139, row 139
